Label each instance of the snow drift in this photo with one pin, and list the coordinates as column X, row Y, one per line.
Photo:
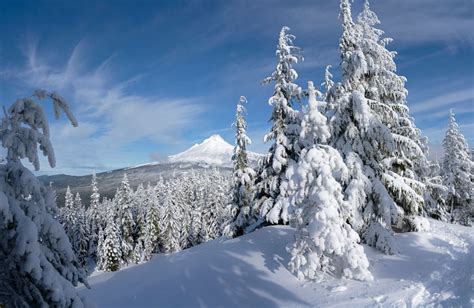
column 431, row 268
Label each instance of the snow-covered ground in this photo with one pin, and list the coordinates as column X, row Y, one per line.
column 431, row 269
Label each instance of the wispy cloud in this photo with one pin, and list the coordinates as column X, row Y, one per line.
column 110, row 117
column 446, row 101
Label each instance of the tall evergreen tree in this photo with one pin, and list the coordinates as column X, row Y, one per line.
column 94, row 220
column 79, row 232
column 324, row 241
column 110, row 250
column 69, row 199
column 386, row 95
column 78, row 202
column 457, row 173
column 38, row 263
column 284, row 134
column 363, row 140
column 151, row 232
column 126, row 222
column 243, row 176
column 436, row 193
column 327, row 85
column 171, row 227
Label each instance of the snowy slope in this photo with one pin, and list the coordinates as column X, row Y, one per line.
column 432, row 268
column 213, row 151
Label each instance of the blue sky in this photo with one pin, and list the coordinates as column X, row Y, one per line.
column 149, row 78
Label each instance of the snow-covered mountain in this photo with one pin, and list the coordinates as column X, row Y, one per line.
column 212, row 151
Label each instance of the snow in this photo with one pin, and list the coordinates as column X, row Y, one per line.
column 431, row 268
column 212, row 151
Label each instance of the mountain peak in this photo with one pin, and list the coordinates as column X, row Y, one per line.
column 215, row 137
column 212, row 151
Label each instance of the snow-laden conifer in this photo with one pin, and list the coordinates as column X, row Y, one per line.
column 436, row 192
column 327, row 85
column 39, row 264
column 457, row 173
column 110, row 253
column 386, row 95
column 170, row 226
column 284, row 133
column 151, row 232
column 94, row 220
column 126, row 222
column 363, row 141
column 243, row 176
column 324, row 241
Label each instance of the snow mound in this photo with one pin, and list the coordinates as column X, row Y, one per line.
column 433, row 268
column 212, row 151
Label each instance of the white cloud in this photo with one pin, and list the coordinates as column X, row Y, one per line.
column 447, row 101
column 109, row 117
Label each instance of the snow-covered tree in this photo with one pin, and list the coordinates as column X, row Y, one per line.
column 324, row 241
column 363, row 140
column 39, row 264
column 110, row 253
column 69, row 199
column 386, row 95
column 95, row 196
column 457, row 173
column 140, row 205
column 435, row 194
column 284, row 134
column 78, row 201
column 243, row 176
column 171, row 226
column 151, row 232
column 327, row 84
column 213, row 212
column 74, row 221
column 196, row 231
column 94, row 220
column 126, row 222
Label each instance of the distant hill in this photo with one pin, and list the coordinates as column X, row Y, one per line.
column 110, row 180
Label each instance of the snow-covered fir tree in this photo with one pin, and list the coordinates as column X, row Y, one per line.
column 123, row 200
column 436, row 193
column 110, row 252
column 386, row 95
column 457, row 173
column 283, row 134
column 243, row 177
column 151, row 232
column 327, row 85
column 363, row 141
column 78, row 231
column 196, row 230
column 324, row 241
column 69, row 199
column 38, row 262
column 78, row 201
column 94, row 220
column 214, row 212
column 170, row 226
